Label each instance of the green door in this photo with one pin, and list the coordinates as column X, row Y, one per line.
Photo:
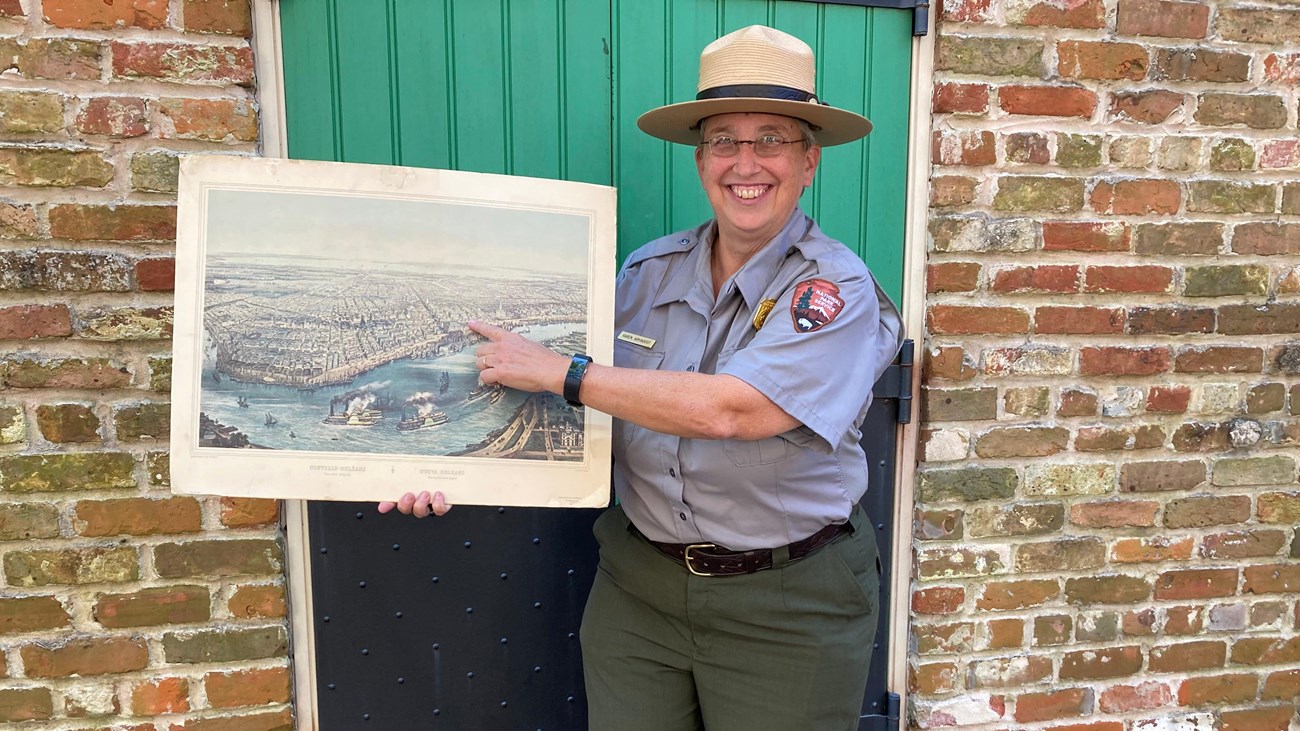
column 550, row 89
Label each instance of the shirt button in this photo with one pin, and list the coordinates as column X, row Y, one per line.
column 682, row 516
column 690, row 367
column 672, row 472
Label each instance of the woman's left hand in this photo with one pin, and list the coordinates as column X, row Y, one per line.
column 517, row 362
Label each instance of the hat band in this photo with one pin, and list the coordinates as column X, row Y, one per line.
column 758, row 91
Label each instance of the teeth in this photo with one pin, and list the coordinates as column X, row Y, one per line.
column 749, row 192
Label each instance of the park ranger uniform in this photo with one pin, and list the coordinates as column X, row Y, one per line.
column 738, row 581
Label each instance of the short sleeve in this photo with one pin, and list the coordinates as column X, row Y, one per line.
column 821, row 349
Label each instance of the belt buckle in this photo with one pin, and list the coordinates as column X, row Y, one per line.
column 686, row 556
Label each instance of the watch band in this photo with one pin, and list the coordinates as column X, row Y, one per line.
column 573, row 379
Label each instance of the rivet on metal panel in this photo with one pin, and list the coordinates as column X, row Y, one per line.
column 365, row 716
column 437, row 711
column 436, row 646
column 537, row 541
column 501, row 510
column 324, row 550
column 326, row 618
column 360, row 516
column 401, row 680
column 435, row 579
column 470, row 675
column 569, row 699
column 537, row 605
column 571, row 572
column 365, row 651
column 331, row 686
column 537, row 669
column 503, row 576
column 469, row 610
column 397, row 614
column 467, row 544
column 504, row 640
column 572, row 636
column 503, row 704
column 361, row 584
column 396, row 547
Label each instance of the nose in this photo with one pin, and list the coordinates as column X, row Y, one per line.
column 746, row 160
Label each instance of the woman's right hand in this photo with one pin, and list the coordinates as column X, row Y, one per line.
column 418, row 505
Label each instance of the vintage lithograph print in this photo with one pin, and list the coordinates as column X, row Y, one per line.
column 321, row 348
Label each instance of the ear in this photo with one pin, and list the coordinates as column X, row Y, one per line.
column 812, row 157
column 699, row 161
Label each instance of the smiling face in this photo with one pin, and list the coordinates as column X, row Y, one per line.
column 752, row 197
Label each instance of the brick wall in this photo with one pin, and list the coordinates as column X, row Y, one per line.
column 1106, row 528
column 120, row 606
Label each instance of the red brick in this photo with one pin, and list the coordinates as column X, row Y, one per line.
column 948, row 191
column 277, row 721
column 1115, row 514
column 1116, row 361
column 85, row 656
column 245, row 512
column 1243, row 544
column 1010, row 595
column 79, row 222
column 160, row 695
column 1009, row 634
column 99, row 15
column 12, row 8
column 1163, row 19
column 1280, row 154
column 1068, row 14
column 1137, row 279
column 1031, row 707
column 934, row 678
column 1168, row 399
column 960, row 320
column 1266, row 651
column 965, row 11
column 938, row 599
column 212, row 120
column 1213, row 359
column 1141, row 697
column 1274, row 718
column 951, row 97
column 1047, row 278
column 952, row 276
column 154, row 606
column 1074, row 236
column 1282, row 685
column 948, row 363
column 114, row 116
column 1151, row 106
column 1076, row 402
column 1079, row 320
column 1259, row 319
column 32, row 613
column 231, row 17
column 1282, row 67
column 1048, row 101
column 1187, row 656
column 24, row 322
column 253, row 687
column 1272, row 579
column 1146, row 550
column 1108, row 662
column 1136, row 197
column 1101, row 60
column 1196, row 584
column 1238, row 688
column 1170, row 320
column 184, row 62
column 265, row 601
column 26, row 704
column 155, row 275
column 137, row 517
column 1266, row 239
column 964, row 148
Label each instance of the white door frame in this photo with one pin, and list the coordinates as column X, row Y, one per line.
column 268, row 59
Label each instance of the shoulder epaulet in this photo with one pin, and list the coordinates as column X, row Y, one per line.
column 673, row 243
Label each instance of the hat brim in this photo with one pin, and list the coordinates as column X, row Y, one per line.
column 674, row 122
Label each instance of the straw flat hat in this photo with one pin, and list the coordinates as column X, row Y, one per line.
column 755, row 69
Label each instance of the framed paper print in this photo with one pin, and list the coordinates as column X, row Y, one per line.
column 321, row 349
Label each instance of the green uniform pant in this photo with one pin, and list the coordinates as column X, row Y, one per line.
column 786, row 649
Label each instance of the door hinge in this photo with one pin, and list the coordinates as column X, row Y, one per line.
column 886, row 722
column 896, row 382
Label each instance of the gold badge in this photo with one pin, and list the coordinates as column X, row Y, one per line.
column 635, row 339
column 760, row 315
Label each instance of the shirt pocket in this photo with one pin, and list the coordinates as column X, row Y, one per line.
column 627, row 355
column 750, row 452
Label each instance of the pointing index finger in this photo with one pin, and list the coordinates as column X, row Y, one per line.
column 491, row 332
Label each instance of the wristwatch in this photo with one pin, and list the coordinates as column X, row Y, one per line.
column 573, row 379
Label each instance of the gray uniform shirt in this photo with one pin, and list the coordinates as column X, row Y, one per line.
column 828, row 336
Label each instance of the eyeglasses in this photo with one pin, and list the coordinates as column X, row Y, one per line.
column 765, row 146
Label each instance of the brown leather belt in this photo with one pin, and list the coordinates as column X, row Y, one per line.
column 709, row 559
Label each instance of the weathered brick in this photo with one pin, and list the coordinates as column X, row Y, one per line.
column 966, row 11
column 1031, row 401
column 1136, row 197
column 1111, row 589
column 224, row 645
column 1272, row 718
column 951, row 191
column 1021, row 442
column 948, row 363
column 1196, row 584
column 277, row 721
column 1052, row 629
column 1103, row 438
column 1151, row 106
column 66, row 472
column 68, row 423
column 80, row 222
column 1141, row 697
column 126, row 323
column 252, row 687
column 1030, row 360
column 1243, row 544
column 1199, row 64
column 986, row 56
column 1114, row 513
column 1200, row 436
column 26, row 704
column 933, row 678
column 49, row 166
column 137, row 516
column 155, row 275
column 1274, row 579
column 13, row 425
column 938, row 599
column 1200, row 691
column 158, row 696
column 32, row 614
column 1038, row 193
column 1062, row 554
column 1179, row 239
column 1072, row 14
column 1281, row 685
column 258, row 601
column 949, row 562
column 87, row 373
column 85, row 656
column 72, row 566
column 1153, row 549
column 64, row 271
column 1046, row 278
column 160, row 374
column 1232, row 154
column 1076, row 402
column 30, row 112
column 968, row 484
column 953, row 97
column 1215, row 359
column 1258, row 25
column 1097, row 626
column 1101, row 60
column 1048, row 101
column 1139, row 622
column 1168, row 399
column 962, row 320
column 1256, row 111
column 1086, row 236
column 154, row 606
column 1109, row 662
column 245, row 512
column 17, row 221
column 1266, row 239
column 230, row 17
column 1162, row 476
column 1275, row 470
column 218, row 558
column 158, row 465
column 964, row 147
column 114, row 116
column 982, row 234
column 1266, row 398
column 1279, row 507
column 1279, row 154
column 183, row 62
column 147, row 14
column 1131, row 151
column 155, row 171
column 28, row 521
column 1260, row 319
column 212, row 120
column 1187, row 656
column 1078, row 151
column 952, row 276
column 1199, row 512
column 1162, row 18
column 1117, row 361
column 1226, row 196
column 1010, row 672
column 1079, row 320
column 60, row 58
column 965, row 404
column 1027, row 147
column 1170, row 320
column 1050, row 705
column 1011, row 595
column 143, row 421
